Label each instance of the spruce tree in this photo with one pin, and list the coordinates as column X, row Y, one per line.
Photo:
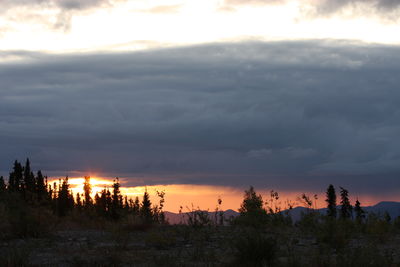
column 87, row 190
column 116, row 199
column 136, row 206
column 41, row 186
column 145, row 208
column 2, row 185
column 108, row 202
column 359, row 212
column 78, row 201
column 16, row 177
column 331, row 201
column 65, row 200
column 346, row 210
column 28, row 179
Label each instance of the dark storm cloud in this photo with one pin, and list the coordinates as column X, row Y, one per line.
column 287, row 114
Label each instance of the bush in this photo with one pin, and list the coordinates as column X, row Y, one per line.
column 253, row 248
column 22, row 220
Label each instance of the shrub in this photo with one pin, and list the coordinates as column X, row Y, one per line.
column 253, row 248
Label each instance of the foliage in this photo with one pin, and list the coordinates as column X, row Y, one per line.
column 331, row 201
column 254, row 248
column 252, row 212
column 346, row 210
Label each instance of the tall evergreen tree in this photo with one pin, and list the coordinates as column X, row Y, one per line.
column 29, row 178
column 116, row 199
column 359, row 212
column 2, row 185
column 136, row 206
column 16, row 177
column 346, row 210
column 78, row 201
column 87, row 191
column 41, row 186
column 65, row 200
column 145, row 208
column 331, row 201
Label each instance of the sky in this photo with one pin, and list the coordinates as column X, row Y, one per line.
column 222, row 94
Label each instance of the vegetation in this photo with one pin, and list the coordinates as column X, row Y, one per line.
column 44, row 224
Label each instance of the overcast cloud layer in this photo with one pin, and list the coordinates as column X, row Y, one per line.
column 286, row 114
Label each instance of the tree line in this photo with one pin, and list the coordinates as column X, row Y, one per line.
column 35, row 190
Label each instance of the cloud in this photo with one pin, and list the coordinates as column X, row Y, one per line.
column 163, row 9
column 253, row 2
column 384, row 8
column 60, row 15
column 289, row 114
column 62, row 4
column 332, row 6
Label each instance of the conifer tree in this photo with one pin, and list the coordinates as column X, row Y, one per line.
column 28, row 179
column 16, row 177
column 126, row 204
column 136, row 206
column 359, row 212
column 41, row 186
column 116, row 199
column 252, row 203
column 331, row 201
column 2, row 185
column 87, row 190
column 252, row 212
column 65, row 200
column 108, row 202
column 101, row 203
column 145, row 208
column 346, row 210
column 79, row 201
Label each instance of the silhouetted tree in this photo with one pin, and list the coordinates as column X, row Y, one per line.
column 28, row 179
column 158, row 212
column 41, row 186
column 346, row 210
column 87, row 191
column 79, row 201
column 387, row 217
column 16, row 176
column 108, row 202
column 145, row 208
column 65, row 200
column 252, row 203
column 101, row 203
column 136, row 206
column 126, row 204
column 251, row 210
column 116, row 200
column 331, row 201
column 2, row 185
column 359, row 212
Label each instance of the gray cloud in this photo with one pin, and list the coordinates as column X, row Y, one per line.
column 289, row 114
column 28, row 11
column 384, row 8
column 63, row 4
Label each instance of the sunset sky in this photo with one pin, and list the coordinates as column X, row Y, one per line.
column 205, row 96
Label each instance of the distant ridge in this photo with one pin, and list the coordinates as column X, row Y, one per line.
column 391, row 207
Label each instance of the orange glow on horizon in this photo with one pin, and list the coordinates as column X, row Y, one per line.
column 205, row 197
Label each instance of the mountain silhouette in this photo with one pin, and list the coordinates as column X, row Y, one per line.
column 391, row 207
